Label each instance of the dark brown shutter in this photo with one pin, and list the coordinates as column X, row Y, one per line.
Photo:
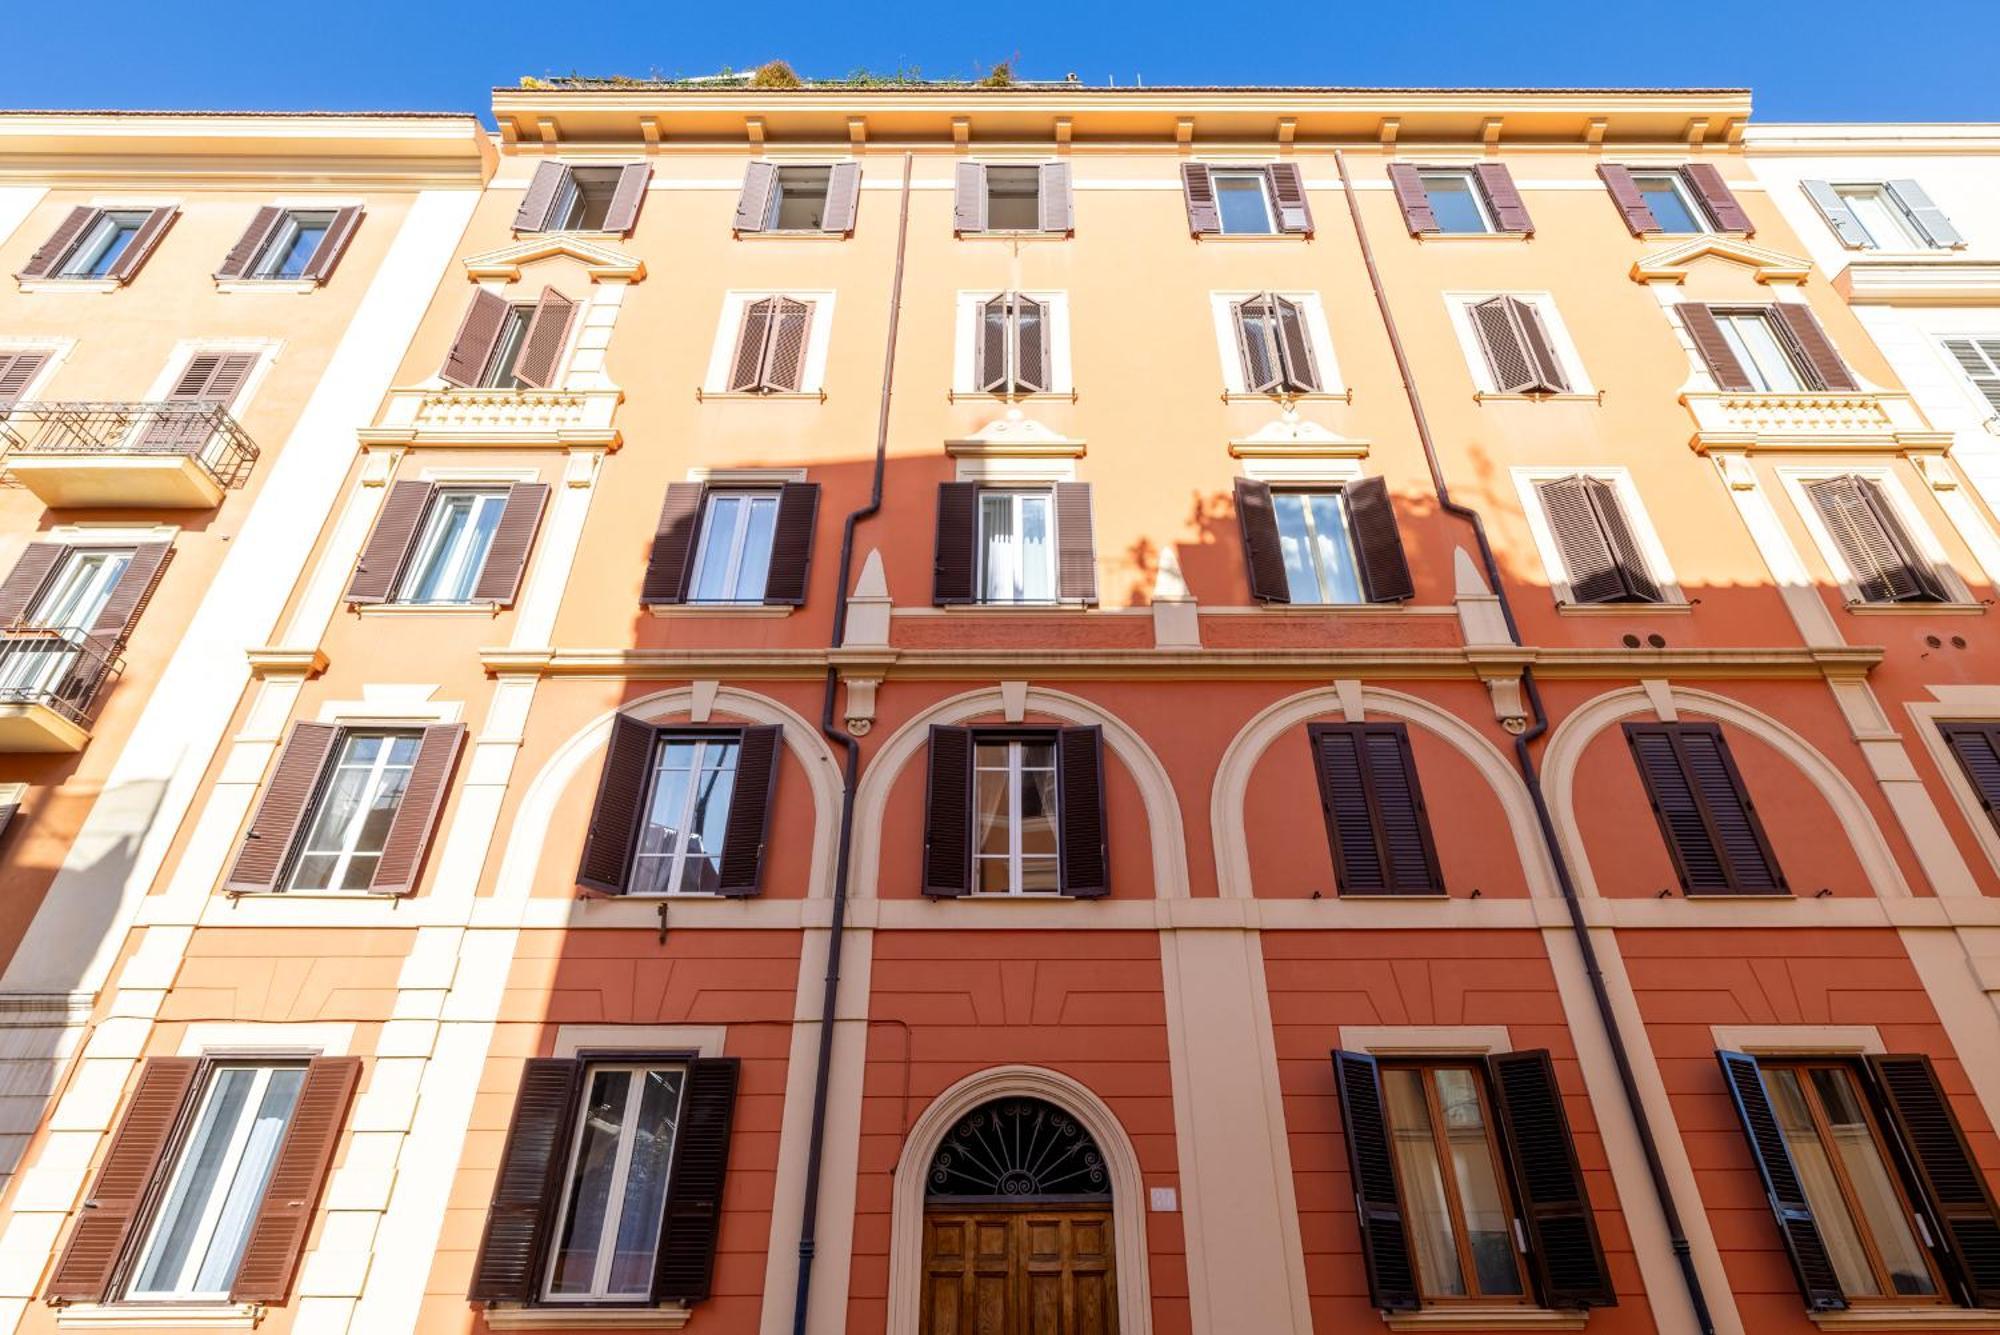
column 622, row 215
column 1198, row 188
column 1031, row 345
column 48, row 256
column 540, row 197
column 1376, row 822
column 525, row 1191
column 542, row 345
column 785, row 366
column 25, row 582
column 753, row 340
column 1288, row 187
column 843, row 195
column 281, row 811
column 1563, row 1246
column 513, row 538
column 1507, row 357
column 1954, row 1188
column 388, row 546
column 1257, row 344
column 1805, row 333
column 1977, row 746
column 1295, row 349
column 1598, row 549
column 1705, row 814
column 1263, row 551
column 1076, row 545
column 948, row 814
column 277, row 1236
column 134, row 589
column 685, row 1262
column 786, row 580
column 1371, row 1166
column 1085, row 863
column 1885, row 563
column 671, row 561
column 1723, row 367
column 333, row 245
column 1415, row 201
column 416, row 817
column 1057, row 201
column 1510, row 212
column 143, row 243
column 747, row 833
column 1632, row 205
column 1722, row 207
column 1787, row 1198
column 17, row 371
column 131, row 1162
column 755, row 201
column 1378, row 543
column 478, row 334
column 614, row 816
column 955, row 566
column 251, row 244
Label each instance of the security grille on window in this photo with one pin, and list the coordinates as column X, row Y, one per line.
column 1881, row 557
column 1459, row 200
column 446, row 546
column 1011, row 354
column 1979, row 358
column 103, row 244
column 563, row 197
column 291, row 245
column 1014, row 545
column 722, row 546
column 1883, row 215
column 1711, row 827
column 770, row 353
column 1778, row 348
column 995, row 197
column 510, row 345
column 1323, row 544
column 1520, row 355
column 1252, row 200
column 800, row 198
column 1015, row 812
column 682, row 810
column 1275, row 342
column 1602, row 561
column 1674, row 200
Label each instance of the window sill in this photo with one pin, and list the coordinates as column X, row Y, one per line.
column 1290, row 396
column 1472, row 236
column 1036, row 234
column 136, row 1316
column 1486, row 1318
column 350, row 896
column 1004, row 609
column 821, row 235
column 69, row 284
column 720, row 609
column 266, row 285
column 583, row 234
column 424, row 609
column 568, row 1316
column 1739, row 896
column 1570, row 609
column 1862, row 609
column 1253, row 237
column 985, row 396
column 704, row 395
column 1907, row 1318
column 1494, row 396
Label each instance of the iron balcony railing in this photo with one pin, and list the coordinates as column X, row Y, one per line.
column 64, row 668
column 202, row 432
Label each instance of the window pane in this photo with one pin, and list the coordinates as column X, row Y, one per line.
column 350, row 823
column 581, row 1234
column 1756, row 346
column 294, row 244
column 82, row 586
column 591, row 201
column 102, row 245
column 1669, row 203
column 709, row 820
column 1037, row 551
column 1002, row 551
column 754, row 567
column 798, row 199
column 1013, row 199
column 1488, row 1224
column 1339, row 581
column 660, row 833
column 1421, row 1180
column 718, row 540
column 499, row 373
column 1455, row 202
column 1240, row 201
column 643, row 1203
column 458, row 533
column 1822, row 1188
column 1874, row 1188
column 246, row 1188
column 196, row 1181
column 1038, row 813
column 1040, row 875
column 1880, row 216
column 990, row 811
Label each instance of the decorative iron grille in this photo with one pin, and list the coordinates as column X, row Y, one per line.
column 1017, row 1151
column 63, row 668
column 203, row 432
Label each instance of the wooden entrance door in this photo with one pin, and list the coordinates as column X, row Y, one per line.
column 1024, row 1271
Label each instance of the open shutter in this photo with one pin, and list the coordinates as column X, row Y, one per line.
column 1295, row 349
column 1929, row 218
column 1810, row 1262
column 48, row 256
column 1954, row 1187
column 388, row 546
column 785, row 367
column 333, row 245
column 1977, row 746
column 948, row 814
column 17, row 372
column 1057, row 201
column 1507, row 357
column 281, row 811
column 251, row 244
column 417, row 813
column 1288, row 187
column 614, row 816
column 1885, row 564
column 1031, row 345
column 1198, row 188
column 24, row 583
column 1255, row 321
column 1712, row 831
column 1378, row 543
column 989, row 346
column 143, row 243
column 1385, row 1247
column 622, row 215
column 843, row 195
column 1979, row 358
column 277, row 1236
column 746, row 370
column 1723, row 367
column 685, row 1262
column 542, row 346
column 748, row 831
column 1838, row 216
column 792, row 544
column 1263, row 551
column 671, row 562
column 131, row 1162
column 1806, row 334
column 540, row 197
column 478, row 334
column 1549, row 374
column 1415, row 201
column 1076, row 546
column 955, row 566
column 1563, row 1246
column 754, row 203
column 513, row 538
column 1632, row 205
column 1722, row 207
column 1085, row 863
column 525, row 1190
column 134, row 589
column 1510, row 211
column 968, row 197
column 1617, row 526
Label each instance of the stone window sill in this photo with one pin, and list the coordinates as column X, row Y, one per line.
column 425, row 609
column 1207, row 237
column 1907, row 1318
column 755, row 395
column 1290, row 396
column 266, row 285
column 1485, row 1319
column 567, row 1317
column 145, row 1316
column 1472, row 236
column 989, row 396
column 1570, row 609
column 720, row 609
column 799, row 234
column 1019, row 234
column 1916, row 609
column 1596, row 396
column 69, row 284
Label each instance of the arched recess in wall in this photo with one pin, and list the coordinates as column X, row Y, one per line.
column 1573, row 736
column 1156, row 790
column 538, row 802
column 1232, row 778
column 1128, row 1188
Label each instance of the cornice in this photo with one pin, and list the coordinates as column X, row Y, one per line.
column 1945, row 281
column 1780, row 139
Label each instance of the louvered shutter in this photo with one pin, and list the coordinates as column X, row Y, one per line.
column 25, row 582
column 1263, row 550
column 333, row 245
column 1705, row 814
column 792, row 544
column 131, row 1162
column 1378, row 543
column 1031, row 345
column 1295, row 349
column 525, row 1190
column 1806, row 335
column 968, row 197
column 1371, row 1166
column 1198, row 189
column 948, row 814
column 478, row 334
column 955, row 566
column 1977, row 746
column 542, row 346
column 1632, row 205
column 1723, row 368
column 1510, row 211
column 1257, row 342
column 747, row 833
column 1979, row 358
column 1076, row 547
column 416, row 817
column 1787, row 1198
column 48, row 256
column 622, row 215
column 1414, row 200
column 1549, row 371
column 1375, row 818
column 670, row 563
column 1837, row 214
column 10, row 805
column 1884, row 562
column 1057, row 200
column 251, row 244
column 1929, row 218
column 143, row 244
column 513, row 538
column 1085, row 863
column 843, row 196
column 547, row 182
column 989, row 346
column 1507, row 357
column 614, row 816
column 209, row 378
column 785, row 367
column 388, row 545
column 1731, row 814
column 759, row 179
column 1407, row 848
column 685, row 1262
column 1953, row 1185
column 277, row 1236
column 1563, row 1246
column 281, row 811
column 17, row 372
column 127, row 600
column 746, row 373
column 1728, row 215
column 1288, row 187
column 1599, row 550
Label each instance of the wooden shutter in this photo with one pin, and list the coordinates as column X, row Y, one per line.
column 1979, row 358
column 685, row 1261
column 143, row 243
column 1415, row 201
column 1787, row 1198
column 1977, row 746
column 1837, row 214
column 1031, row 345
column 513, row 538
column 948, row 814
column 1953, row 1185
column 1076, row 547
column 1723, row 368
column 1376, row 823
column 542, row 346
column 955, row 566
column 281, row 811
column 626, row 197
column 989, row 345
column 1806, row 335
column 416, row 817
column 134, row 589
column 792, row 544
column 1563, row 1246
column 843, row 195
column 1288, row 188
column 333, row 245
column 25, row 582
column 614, row 816
column 1599, row 550
column 251, row 244
column 1263, row 550
column 48, row 256
column 759, row 178
column 10, row 805
column 277, row 1236
column 1257, row 344
column 1295, row 349
column 1722, row 207
column 525, row 1190
column 670, row 564
column 131, row 1162
column 1507, row 357
column 753, row 338
column 1084, row 870
column 1884, row 561
column 747, row 832
column 1198, row 189
column 547, row 182
column 968, row 198
column 1705, row 813
column 1364, row 1125
column 1057, row 200
column 1541, row 349
column 388, row 545
column 1510, row 211
column 1378, row 543
column 213, row 377
column 478, row 334
column 1632, row 205
column 785, row 366
column 1929, row 218
column 17, row 372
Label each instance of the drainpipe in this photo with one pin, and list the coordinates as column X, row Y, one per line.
column 1524, row 758
column 809, row 1208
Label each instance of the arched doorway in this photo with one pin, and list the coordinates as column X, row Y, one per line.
column 1018, row 1233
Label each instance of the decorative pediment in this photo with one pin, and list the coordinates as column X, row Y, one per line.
column 1293, row 436
column 1671, row 264
column 602, row 262
column 1018, row 435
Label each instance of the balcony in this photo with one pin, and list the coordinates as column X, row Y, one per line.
column 1810, row 420
column 166, row 455
column 526, row 417
column 52, row 680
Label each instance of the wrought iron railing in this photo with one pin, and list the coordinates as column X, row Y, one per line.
column 202, row 432
column 66, row 669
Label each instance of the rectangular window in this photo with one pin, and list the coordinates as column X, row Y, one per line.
column 1711, row 827
column 359, row 798
column 686, row 816
column 1457, row 202
column 451, row 551
column 101, row 247
column 1882, row 218
column 1979, row 358
column 1243, row 203
column 1674, row 207
column 733, row 563
column 500, row 371
column 1011, row 350
column 1017, row 547
column 34, row 666
column 80, row 588
column 614, row 1193
column 1451, row 1180
column 798, row 200
column 1015, row 849
column 1318, row 546
column 293, row 244
column 1013, row 199
column 583, row 199
column 1760, row 349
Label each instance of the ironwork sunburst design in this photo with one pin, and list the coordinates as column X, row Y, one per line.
column 1018, row 1149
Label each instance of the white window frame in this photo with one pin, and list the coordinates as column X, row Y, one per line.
column 733, row 561
column 677, row 860
column 1911, row 239
column 1218, row 170
column 615, row 1194
column 1312, row 528
column 1794, row 479
column 773, row 204
column 729, row 328
column 965, row 343
column 281, row 239
column 1459, row 305
column 428, row 540
column 1527, row 483
column 371, row 788
column 1689, row 200
column 1034, row 165
column 55, row 351
column 265, row 350
column 1015, row 859
column 1983, row 408
column 1222, row 314
column 1018, row 492
column 96, row 241
column 1959, row 704
column 1489, row 225
column 1746, row 356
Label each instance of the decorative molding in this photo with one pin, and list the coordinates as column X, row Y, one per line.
column 1014, row 435
column 1670, row 264
column 602, row 262
column 1952, row 280
column 1292, row 437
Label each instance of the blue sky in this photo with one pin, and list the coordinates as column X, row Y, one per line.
column 1804, row 59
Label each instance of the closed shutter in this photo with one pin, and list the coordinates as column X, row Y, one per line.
column 478, row 334
column 685, row 1262
column 134, row 589
column 1415, row 201
column 1979, row 358
column 1715, row 195
column 1977, row 746
column 1705, row 813
column 948, row 814
column 1928, row 217
column 525, row 1190
column 1953, row 1185
column 1599, row 552
column 281, row 811
column 955, row 566
column 1808, row 338
column 1057, row 201
column 1295, row 349
column 131, row 1162
column 1076, row 546
column 1510, row 211
column 251, row 244
column 10, row 805
column 277, row 1236
column 989, row 345
column 1723, row 368
column 1837, row 214
column 209, row 378
column 333, row 245
column 416, row 815
column 1084, row 863
column 388, row 546
column 542, row 346
column 1257, row 344
column 843, row 195
column 785, row 367
column 25, row 582
column 1371, row 1166
column 1885, row 564
column 143, row 243
column 1632, row 205
column 17, row 372
column 1507, row 359
column 513, row 538
column 1376, row 822
column 792, row 544
column 623, row 213
column 1198, row 189
column 614, row 816
column 1541, row 349
column 1563, row 1246
column 1378, row 543
column 1031, row 345
column 1782, row 1190
column 544, row 186
column 1288, row 187
column 670, row 563
column 1263, row 549
column 747, row 833
column 968, row 198
column 48, row 256
column 746, row 370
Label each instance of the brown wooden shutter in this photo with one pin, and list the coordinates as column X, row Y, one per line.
column 542, row 346
column 1954, row 1187
column 843, row 196
column 948, row 814
column 1376, row 822
column 614, row 816
column 1507, row 358
column 1632, row 205
column 1563, row 1246
column 281, row 811
column 968, row 198
column 1257, row 344
column 1295, row 349
column 277, row 1236
column 1885, row 563
column 1813, row 1267
column 1723, row 368
column 212, row 378
column 48, row 256
column 333, row 245
column 1378, row 543
column 131, row 1162
column 1929, row 218
column 134, row 589
column 143, row 243
column 1084, row 865
column 25, row 582
column 1705, row 813
column 759, row 178
column 955, row 565
column 17, row 372
column 1288, row 187
column 747, row 833
column 10, row 809
column 1198, row 189
column 1510, row 212
column 388, row 546
column 416, row 817
column 785, row 366
column 685, row 1263
column 251, row 244
column 1263, row 550
column 790, row 570
column 1408, row 183
column 1599, row 551
column 540, row 197
column 753, row 341
column 671, row 562
column 525, row 1191
column 1727, row 214
column 1977, row 746
column 989, row 345
column 1076, row 545
column 513, row 538
column 622, row 215
column 1808, row 337
column 1371, row 1166
column 478, row 334
column 1541, row 349
column 1032, row 336
column 1057, row 200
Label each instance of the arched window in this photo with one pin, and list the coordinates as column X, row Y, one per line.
column 1018, row 1150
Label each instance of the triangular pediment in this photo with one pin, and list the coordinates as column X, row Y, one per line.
column 1670, row 264
column 602, row 262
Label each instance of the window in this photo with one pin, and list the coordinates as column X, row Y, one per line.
column 562, row 197
column 1243, row 203
column 1456, row 202
column 1245, row 199
column 1884, row 563
column 1777, row 348
column 1883, row 215
column 734, row 561
column 1760, row 349
column 1977, row 747
column 1673, row 205
column 1705, row 814
column 293, row 245
column 1015, row 811
column 1979, row 358
column 500, row 371
column 350, row 822
column 687, row 815
column 1014, row 545
column 451, row 551
column 1274, row 342
column 1014, row 792
column 81, row 587
column 449, row 546
column 1011, row 350
column 798, row 200
column 104, row 243
column 1017, row 547
column 18, row 369
column 682, row 810
column 1013, row 199
column 614, row 1194
column 733, row 545
column 1376, row 821
column 1462, row 201
column 770, row 355
column 1600, row 555
column 1322, row 545
column 1518, row 353
column 583, row 200
column 1690, row 198
column 510, row 345
column 1319, row 551
column 60, row 661
column 1449, row 1174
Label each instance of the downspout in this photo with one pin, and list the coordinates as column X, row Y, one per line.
column 809, row 1207
column 1524, row 758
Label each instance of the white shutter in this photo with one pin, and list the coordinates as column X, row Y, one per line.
column 1979, row 358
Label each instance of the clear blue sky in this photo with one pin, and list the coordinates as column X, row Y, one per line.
column 1804, row 59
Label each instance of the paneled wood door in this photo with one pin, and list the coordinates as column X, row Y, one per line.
column 1025, row 1271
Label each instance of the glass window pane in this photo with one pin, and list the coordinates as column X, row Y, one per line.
column 1295, row 541
column 798, row 199
column 1420, row 1177
column 754, row 567
column 660, row 832
column 1822, row 1188
column 350, row 822
column 1038, row 812
column 1241, row 205
column 1874, row 1188
column 1763, row 357
column 709, row 821
column 1001, row 548
column 1455, row 202
column 643, row 1201
column 580, row 1235
column 499, row 373
column 196, row 1180
column 1039, row 875
column 1881, row 218
column 1012, row 199
column 718, row 539
column 1037, row 550
column 1489, row 1226
column 990, row 829
column 246, row 1187
column 1670, row 205
column 994, row 876
column 1339, row 578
